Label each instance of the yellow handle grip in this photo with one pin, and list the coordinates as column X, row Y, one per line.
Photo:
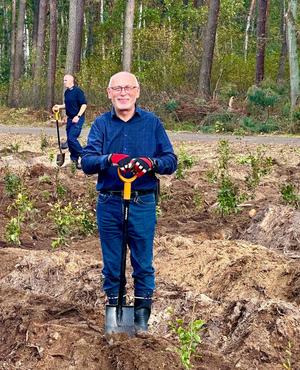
column 56, row 115
column 127, row 184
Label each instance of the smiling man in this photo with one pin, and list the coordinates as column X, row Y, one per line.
column 135, row 141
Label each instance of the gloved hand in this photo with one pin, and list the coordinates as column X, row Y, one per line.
column 141, row 165
column 120, row 160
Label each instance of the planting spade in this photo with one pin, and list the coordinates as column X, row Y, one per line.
column 60, row 158
column 119, row 318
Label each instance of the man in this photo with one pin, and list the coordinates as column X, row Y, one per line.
column 133, row 140
column 75, row 105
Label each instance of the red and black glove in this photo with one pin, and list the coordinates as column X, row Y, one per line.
column 120, row 160
column 141, row 165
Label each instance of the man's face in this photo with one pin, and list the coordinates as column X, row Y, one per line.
column 123, row 91
column 68, row 81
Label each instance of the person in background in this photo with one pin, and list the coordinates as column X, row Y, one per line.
column 75, row 105
column 134, row 140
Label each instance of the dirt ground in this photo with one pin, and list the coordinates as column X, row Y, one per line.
column 239, row 273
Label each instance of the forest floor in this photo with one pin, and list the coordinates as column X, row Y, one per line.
column 238, row 273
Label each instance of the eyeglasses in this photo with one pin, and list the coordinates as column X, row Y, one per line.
column 126, row 89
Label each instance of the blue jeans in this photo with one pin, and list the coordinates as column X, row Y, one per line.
column 73, row 132
column 141, row 229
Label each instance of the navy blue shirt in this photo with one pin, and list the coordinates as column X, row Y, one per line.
column 142, row 136
column 74, row 98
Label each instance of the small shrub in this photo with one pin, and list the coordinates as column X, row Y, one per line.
column 64, row 219
column 260, row 165
column 12, row 184
column 262, row 97
column 44, row 142
column 185, row 161
column 171, row 105
column 198, row 200
column 23, row 206
column 14, row 147
column 45, row 179
column 224, row 155
column 61, row 190
column 86, row 221
column 289, row 195
column 189, row 339
column 212, row 176
column 13, row 231
column 227, row 198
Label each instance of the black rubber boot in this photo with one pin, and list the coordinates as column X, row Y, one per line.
column 64, row 145
column 77, row 163
column 142, row 311
column 114, row 300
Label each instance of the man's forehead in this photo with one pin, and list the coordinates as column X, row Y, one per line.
column 123, row 78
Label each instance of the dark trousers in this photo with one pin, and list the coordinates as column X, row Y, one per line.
column 141, row 229
column 73, row 132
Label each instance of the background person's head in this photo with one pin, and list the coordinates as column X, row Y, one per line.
column 69, row 81
column 123, row 91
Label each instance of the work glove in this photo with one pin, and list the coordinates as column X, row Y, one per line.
column 141, row 165
column 120, row 160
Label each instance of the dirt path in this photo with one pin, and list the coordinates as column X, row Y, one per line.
column 175, row 136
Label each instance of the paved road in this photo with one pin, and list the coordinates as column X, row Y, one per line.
column 174, row 136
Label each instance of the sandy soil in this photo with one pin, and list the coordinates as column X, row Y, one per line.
column 239, row 273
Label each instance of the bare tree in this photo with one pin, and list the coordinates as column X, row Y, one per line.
column 128, row 35
column 71, row 37
column 36, row 5
column 283, row 52
column 12, row 53
column 261, row 40
column 208, row 49
column 292, row 52
column 252, row 6
column 19, row 56
column 40, row 46
column 52, row 54
column 78, row 34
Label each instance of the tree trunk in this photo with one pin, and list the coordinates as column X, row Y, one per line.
column 19, row 55
column 12, row 54
column 91, row 19
column 208, row 49
column 261, row 40
column 292, row 52
column 283, row 52
column 252, row 5
column 52, row 54
column 71, row 38
column 36, row 5
column 40, row 46
column 78, row 34
column 128, row 36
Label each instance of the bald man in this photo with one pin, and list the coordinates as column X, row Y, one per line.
column 134, row 140
column 75, row 105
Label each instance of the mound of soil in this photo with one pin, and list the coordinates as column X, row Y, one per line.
column 276, row 227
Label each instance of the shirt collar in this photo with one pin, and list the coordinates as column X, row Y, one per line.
column 138, row 111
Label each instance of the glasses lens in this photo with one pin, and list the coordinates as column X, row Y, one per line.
column 125, row 88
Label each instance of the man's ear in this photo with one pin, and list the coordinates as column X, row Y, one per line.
column 108, row 93
column 138, row 93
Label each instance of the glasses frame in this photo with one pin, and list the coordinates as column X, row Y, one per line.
column 119, row 89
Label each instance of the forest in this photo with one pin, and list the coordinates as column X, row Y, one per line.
column 227, row 65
